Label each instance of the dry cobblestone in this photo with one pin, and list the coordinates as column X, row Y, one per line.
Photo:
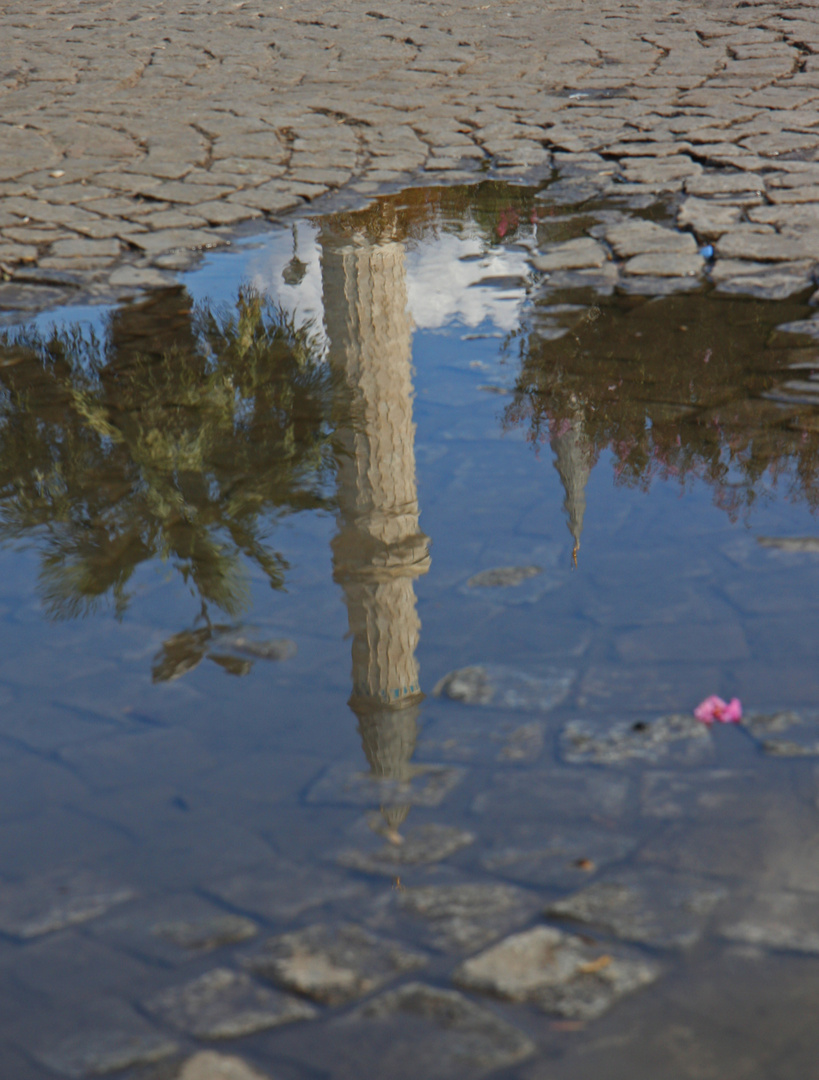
column 232, row 112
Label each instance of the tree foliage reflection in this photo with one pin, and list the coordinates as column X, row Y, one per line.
column 182, row 433
column 677, row 389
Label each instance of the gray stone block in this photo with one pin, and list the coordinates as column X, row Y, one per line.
column 333, row 963
column 650, row 741
column 649, row 907
column 224, row 1004
column 557, row 972
column 505, row 688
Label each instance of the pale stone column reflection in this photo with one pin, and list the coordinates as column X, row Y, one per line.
column 379, row 549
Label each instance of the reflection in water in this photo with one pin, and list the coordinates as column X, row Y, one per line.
column 181, row 435
column 671, row 395
column 379, row 549
column 574, row 459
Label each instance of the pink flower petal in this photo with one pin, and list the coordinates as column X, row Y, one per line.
column 714, row 708
column 732, row 713
column 709, row 710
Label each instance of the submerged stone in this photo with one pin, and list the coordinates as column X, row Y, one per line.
column 434, row 1033
column 346, row 784
column 118, row 1039
column 466, row 917
column 731, row 794
column 774, row 284
column 224, row 1004
column 650, row 285
column 551, row 795
column 792, row 544
column 523, row 743
column 505, row 688
column 203, row 935
column 272, row 649
column 285, row 890
column 43, row 905
column 641, row 740
column 565, row 858
column 806, row 327
column 333, row 964
column 785, row 733
column 205, row 1065
column 650, row 907
column 503, row 577
column 424, row 844
column 778, row 920
column 557, row 972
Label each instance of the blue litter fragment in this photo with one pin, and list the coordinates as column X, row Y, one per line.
column 707, row 251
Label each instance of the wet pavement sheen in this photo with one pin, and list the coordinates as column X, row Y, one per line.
column 357, row 593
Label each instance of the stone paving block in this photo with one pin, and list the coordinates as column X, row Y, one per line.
column 157, row 243
column 226, row 213
column 704, row 642
column 139, row 277
column 557, row 972
column 85, row 249
column 579, row 254
column 646, row 237
column 466, row 916
column 42, row 905
column 670, row 266
column 203, row 1065
column 172, row 219
column 111, row 1038
column 502, row 687
column 666, row 795
column 624, row 742
column 776, row 920
column 204, row 935
column 723, row 183
column 346, row 784
column 224, row 1004
column 11, row 254
column 648, row 907
column 333, row 963
column 553, row 794
column 784, row 734
column 789, row 217
column 764, row 247
column 566, row 858
column 774, row 284
column 420, row 845
column 708, row 218
column 421, row 1030
column 503, row 577
column 285, row 889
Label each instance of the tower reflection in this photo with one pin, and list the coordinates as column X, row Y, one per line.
column 379, row 549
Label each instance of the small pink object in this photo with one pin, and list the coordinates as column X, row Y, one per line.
column 714, row 708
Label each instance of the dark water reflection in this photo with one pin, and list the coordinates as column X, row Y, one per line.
column 257, row 479
column 677, row 389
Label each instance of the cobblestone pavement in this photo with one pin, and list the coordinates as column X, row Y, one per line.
column 135, row 133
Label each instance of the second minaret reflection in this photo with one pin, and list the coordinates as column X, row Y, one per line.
column 379, row 549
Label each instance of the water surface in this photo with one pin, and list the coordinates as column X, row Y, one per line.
column 245, row 527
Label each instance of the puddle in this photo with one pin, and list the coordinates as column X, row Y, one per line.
column 356, row 596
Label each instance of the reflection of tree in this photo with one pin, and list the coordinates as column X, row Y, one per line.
column 181, row 434
column 680, row 388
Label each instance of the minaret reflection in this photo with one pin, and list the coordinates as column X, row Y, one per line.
column 379, row 549
column 574, row 458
